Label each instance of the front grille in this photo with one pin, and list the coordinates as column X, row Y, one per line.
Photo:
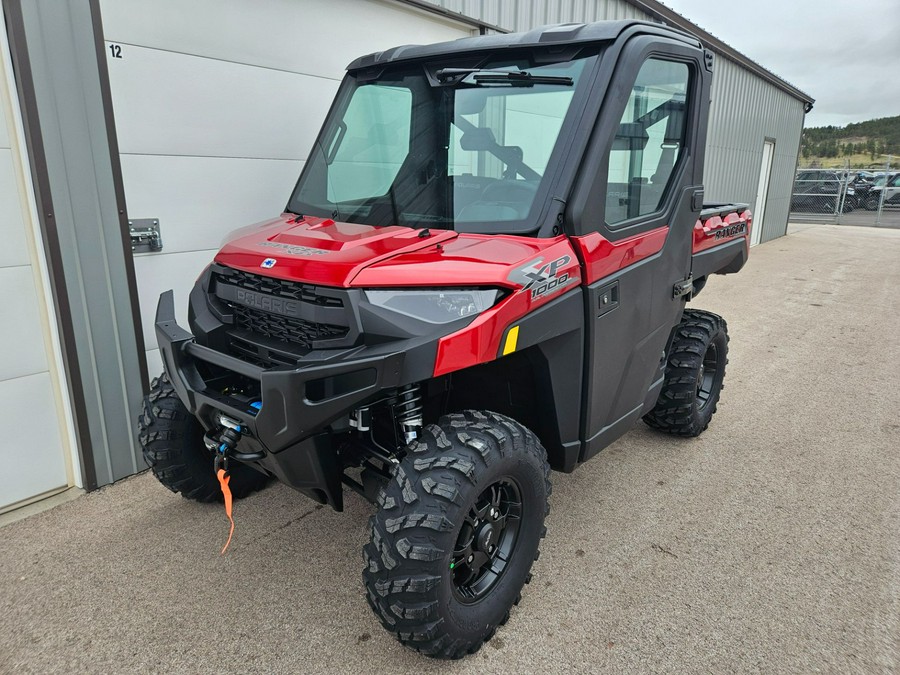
column 284, row 328
column 280, row 288
column 271, row 338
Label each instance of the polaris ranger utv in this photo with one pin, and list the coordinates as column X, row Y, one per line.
column 481, row 275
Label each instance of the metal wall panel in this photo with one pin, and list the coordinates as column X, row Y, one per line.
column 744, row 112
column 312, row 37
column 74, row 169
column 174, row 104
column 745, row 108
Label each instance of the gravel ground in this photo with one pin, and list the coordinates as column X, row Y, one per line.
column 769, row 544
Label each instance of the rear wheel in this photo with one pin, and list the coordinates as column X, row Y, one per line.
column 456, row 533
column 695, row 370
column 172, row 442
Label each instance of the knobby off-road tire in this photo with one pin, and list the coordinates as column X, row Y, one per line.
column 172, row 442
column 425, row 517
column 695, row 369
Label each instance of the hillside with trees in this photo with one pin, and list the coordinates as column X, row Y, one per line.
column 862, row 145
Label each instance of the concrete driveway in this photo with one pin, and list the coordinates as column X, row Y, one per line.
column 770, row 544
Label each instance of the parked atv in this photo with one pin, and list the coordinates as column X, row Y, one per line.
column 480, row 276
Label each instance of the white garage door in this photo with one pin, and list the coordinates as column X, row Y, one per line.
column 217, row 104
column 32, row 452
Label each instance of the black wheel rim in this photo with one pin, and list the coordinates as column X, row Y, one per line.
column 487, row 541
column 706, row 378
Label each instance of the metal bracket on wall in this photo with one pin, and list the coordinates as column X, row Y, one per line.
column 145, row 235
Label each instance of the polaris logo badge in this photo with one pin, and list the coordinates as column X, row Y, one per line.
column 266, row 302
column 542, row 278
column 730, row 231
column 268, row 263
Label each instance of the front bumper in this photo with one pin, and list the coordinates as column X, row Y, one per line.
column 289, row 429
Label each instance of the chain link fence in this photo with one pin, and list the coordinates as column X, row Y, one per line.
column 847, row 196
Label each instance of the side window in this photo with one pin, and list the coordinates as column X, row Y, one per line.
column 649, row 142
column 371, row 145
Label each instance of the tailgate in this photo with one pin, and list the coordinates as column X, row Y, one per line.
column 721, row 241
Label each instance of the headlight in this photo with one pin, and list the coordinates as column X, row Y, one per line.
column 437, row 306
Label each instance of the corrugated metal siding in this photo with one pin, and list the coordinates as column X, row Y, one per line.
column 745, row 108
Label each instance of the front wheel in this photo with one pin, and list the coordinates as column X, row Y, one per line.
column 456, row 533
column 695, row 371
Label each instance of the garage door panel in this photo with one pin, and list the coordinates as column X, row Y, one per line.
column 317, row 38
column 33, row 449
column 12, row 229
column 20, row 338
column 176, row 271
column 171, row 104
column 154, row 363
column 198, row 200
column 4, row 132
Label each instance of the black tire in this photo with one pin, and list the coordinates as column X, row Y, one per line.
column 695, row 370
column 871, row 203
column 172, row 443
column 425, row 515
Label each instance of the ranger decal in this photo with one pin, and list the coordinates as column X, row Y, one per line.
column 729, row 231
column 293, row 250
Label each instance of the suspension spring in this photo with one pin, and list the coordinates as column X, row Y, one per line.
column 407, row 410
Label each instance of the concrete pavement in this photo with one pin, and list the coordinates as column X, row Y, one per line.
column 769, row 544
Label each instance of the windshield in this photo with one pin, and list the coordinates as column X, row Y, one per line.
column 465, row 149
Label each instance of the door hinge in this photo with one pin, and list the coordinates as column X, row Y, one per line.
column 683, row 287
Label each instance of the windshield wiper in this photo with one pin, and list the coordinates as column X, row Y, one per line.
column 515, row 78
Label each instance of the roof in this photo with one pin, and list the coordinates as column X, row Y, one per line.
column 669, row 16
column 657, row 12
column 567, row 33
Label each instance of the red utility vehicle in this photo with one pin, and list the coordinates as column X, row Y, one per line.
column 481, row 275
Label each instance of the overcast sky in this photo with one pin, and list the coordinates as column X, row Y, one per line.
column 845, row 55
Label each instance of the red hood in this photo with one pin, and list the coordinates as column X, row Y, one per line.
column 320, row 250
column 327, row 253
column 467, row 260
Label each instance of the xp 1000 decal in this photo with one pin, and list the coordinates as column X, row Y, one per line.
column 542, row 277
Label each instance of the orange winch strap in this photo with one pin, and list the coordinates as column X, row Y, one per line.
column 224, row 479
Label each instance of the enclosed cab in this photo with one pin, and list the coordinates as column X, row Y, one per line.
column 481, row 274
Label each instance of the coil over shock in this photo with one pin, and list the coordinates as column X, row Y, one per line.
column 407, row 410
column 404, row 407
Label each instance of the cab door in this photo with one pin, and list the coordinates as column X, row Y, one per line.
column 636, row 228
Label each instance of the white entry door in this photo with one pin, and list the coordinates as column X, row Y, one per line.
column 762, row 192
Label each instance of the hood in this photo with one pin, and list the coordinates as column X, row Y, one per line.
column 466, row 260
column 320, row 250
